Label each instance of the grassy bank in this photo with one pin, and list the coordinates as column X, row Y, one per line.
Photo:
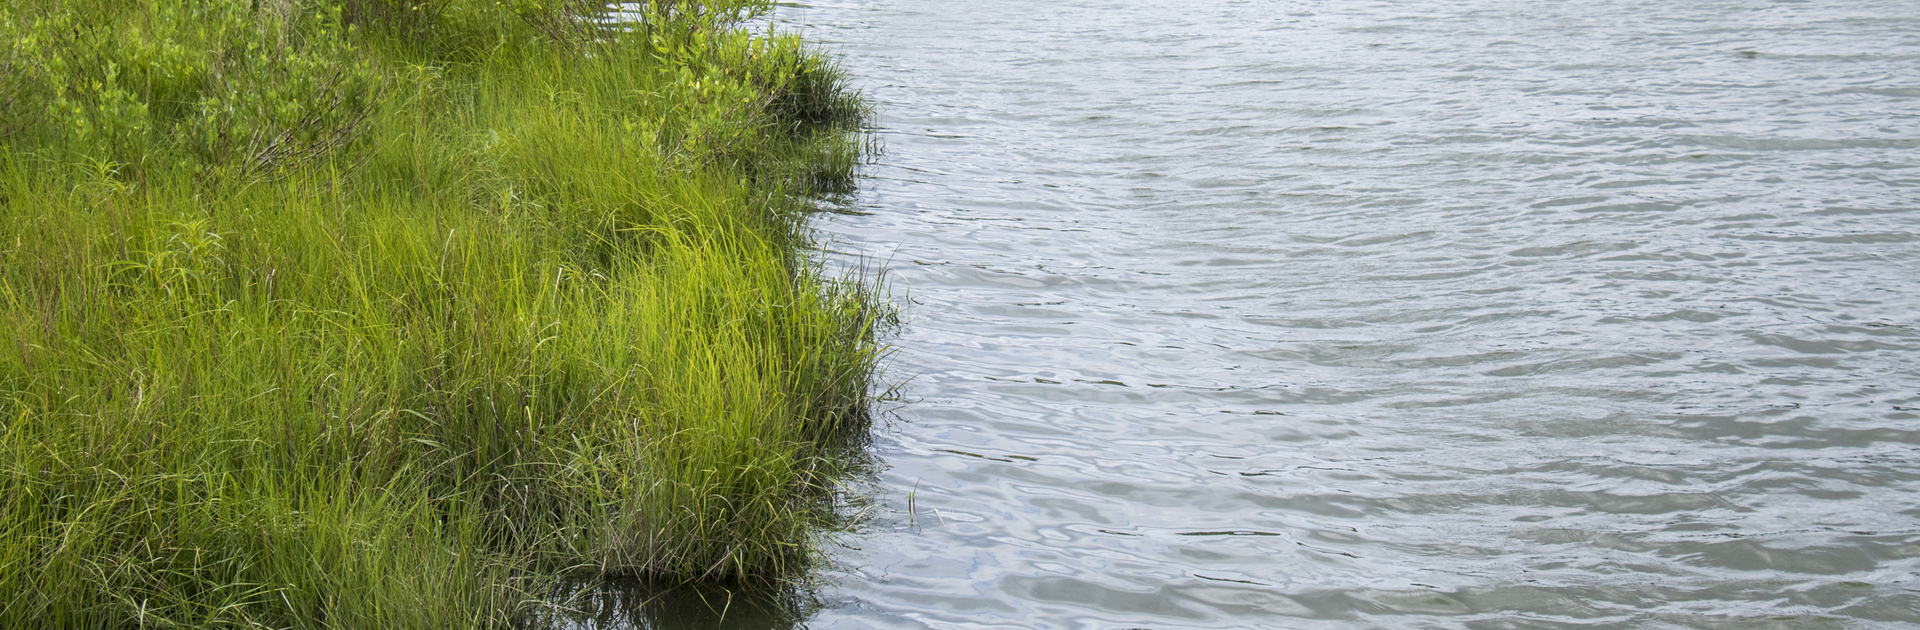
column 375, row 314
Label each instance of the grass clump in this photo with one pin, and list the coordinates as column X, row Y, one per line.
column 368, row 313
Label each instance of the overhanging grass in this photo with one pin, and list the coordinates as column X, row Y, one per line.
column 527, row 300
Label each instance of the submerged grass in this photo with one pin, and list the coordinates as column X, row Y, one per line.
column 357, row 313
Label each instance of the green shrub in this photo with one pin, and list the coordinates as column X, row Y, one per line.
column 220, row 81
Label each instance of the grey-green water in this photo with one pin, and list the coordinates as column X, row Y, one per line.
column 1436, row 314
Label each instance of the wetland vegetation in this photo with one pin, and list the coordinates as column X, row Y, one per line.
column 385, row 314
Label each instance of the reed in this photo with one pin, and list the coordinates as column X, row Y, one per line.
column 356, row 313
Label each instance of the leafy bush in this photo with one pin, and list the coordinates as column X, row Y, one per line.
column 218, row 81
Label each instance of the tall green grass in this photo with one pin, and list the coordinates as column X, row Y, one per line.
column 380, row 314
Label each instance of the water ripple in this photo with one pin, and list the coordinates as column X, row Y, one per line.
column 1463, row 314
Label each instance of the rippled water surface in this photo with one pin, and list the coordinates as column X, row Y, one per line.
column 1414, row 314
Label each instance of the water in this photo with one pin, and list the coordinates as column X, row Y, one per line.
column 1440, row 314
